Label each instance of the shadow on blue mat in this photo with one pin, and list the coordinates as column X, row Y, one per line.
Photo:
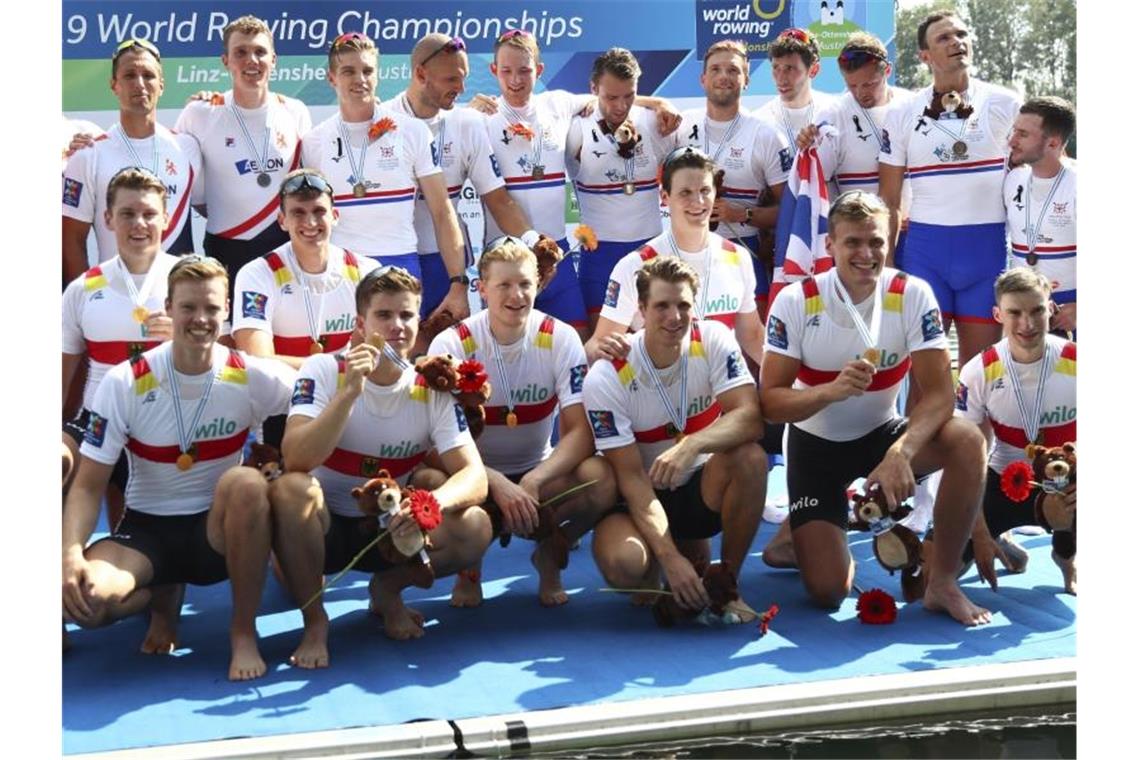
column 511, row 654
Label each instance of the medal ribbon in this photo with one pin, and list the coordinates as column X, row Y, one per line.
column 729, row 132
column 874, row 127
column 951, row 135
column 501, row 368
column 184, row 440
column 314, row 320
column 707, row 274
column 262, row 158
column 676, row 414
column 134, row 154
column 1031, row 233
column 869, row 335
column 138, row 295
column 785, row 116
column 629, row 165
column 1030, row 417
column 357, row 166
column 536, row 153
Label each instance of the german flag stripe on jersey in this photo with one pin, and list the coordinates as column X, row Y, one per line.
column 1057, row 435
column 894, row 299
column 545, row 337
column 693, row 424
column 467, row 339
column 881, row 380
column 728, row 253
column 234, row 371
column 355, row 464
column 281, row 273
column 624, row 370
column 696, row 347
column 525, row 414
column 646, row 252
column 419, row 390
column 991, row 364
column 144, row 379
column 203, row 451
column 1067, row 364
column 351, row 268
column 94, row 279
column 813, row 304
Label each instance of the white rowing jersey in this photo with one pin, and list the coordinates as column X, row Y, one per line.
column 858, row 141
column 1051, row 211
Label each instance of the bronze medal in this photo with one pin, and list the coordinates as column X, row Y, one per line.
column 1031, row 259
column 359, row 190
column 512, row 419
column 263, row 179
column 316, row 348
column 628, row 188
column 185, row 461
column 538, row 172
column 139, row 314
column 960, row 148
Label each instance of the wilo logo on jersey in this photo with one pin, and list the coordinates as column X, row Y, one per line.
column 530, row 394
column 215, row 428
column 757, row 22
column 343, row 323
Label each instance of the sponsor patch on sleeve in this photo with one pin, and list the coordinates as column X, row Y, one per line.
column 931, row 324
column 613, row 289
column 72, row 192
column 460, row 417
column 734, row 365
column 777, row 332
column 96, row 430
column 603, row 423
column 303, row 390
column 785, row 159
column 962, row 399
column 253, row 304
column 577, row 377
column 886, row 142
column 495, row 166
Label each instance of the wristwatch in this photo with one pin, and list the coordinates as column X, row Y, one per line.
column 748, row 215
column 462, row 279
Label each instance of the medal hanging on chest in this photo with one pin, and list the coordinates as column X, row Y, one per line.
column 314, row 312
column 139, row 295
column 262, row 158
column 1030, row 415
column 868, row 334
column 358, row 164
column 1032, row 233
column 189, row 450
column 675, row 427
column 511, row 418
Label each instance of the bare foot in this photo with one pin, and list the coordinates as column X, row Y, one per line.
column 375, row 608
column 550, row 591
column 399, row 623
column 780, row 551
column 313, row 652
column 947, row 597
column 1068, row 572
column 245, row 662
column 467, row 592
column 161, row 635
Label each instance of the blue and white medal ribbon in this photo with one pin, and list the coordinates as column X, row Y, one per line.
column 705, row 275
column 1030, row 417
column 185, row 437
column 868, row 334
column 676, row 413
column 153, row 168
column 263, row 178
column 729, row 133
column 360, row 186
column 1032, row 233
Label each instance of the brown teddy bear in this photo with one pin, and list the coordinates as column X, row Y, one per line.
column 548, row 253
column 896, row 546
column 1055, row 469
column 436, row 323
column 627, row 138
column 379, row 500
column 465, row 381
column 720, row 584
column 267, row 459
column 718, row 186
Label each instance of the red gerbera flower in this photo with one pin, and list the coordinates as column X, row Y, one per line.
column 472, row 376
column 1017, row 480
column 876, row 607
column 425, row 509
column 766, row 618
column 381, row 128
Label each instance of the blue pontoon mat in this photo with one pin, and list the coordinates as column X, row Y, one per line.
column 512, row 655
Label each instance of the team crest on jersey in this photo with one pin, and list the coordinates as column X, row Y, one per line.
column 72, row 192
column 253, row 304
column 603, row 423
column 931, row 324
column 96, row 430
column 734, row 365
column 303, row 390
column 777, row 332
column 961, row 400
column 460, row 417
column 785, row 159
column 577, row 377
column 613, row 288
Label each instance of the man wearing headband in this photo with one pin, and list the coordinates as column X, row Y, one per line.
column 379, row 161
column 677, row 420
column 137, row 139
column 182, row 411
column 358, row 415
column 536, row 368
column 250, row 139
column 839, row 346
column 754, row 155
column 459, row 140
column 794, row 58
column 951, row 141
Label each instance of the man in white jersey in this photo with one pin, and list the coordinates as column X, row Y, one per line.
column 250, row 138
column 794, row 58
column 616, row 186
column 754, row 155
column 299, row 299
column 528, row 133
column 950, row 140
column 137, row 139
column 839, row 345
column 353, row 415
column 183, row 411
column 677, row 421
column 1041, row 197
column 536, row 368
column 459, row 139
column 724, row 268
column 1000, row 391
column 114, row 311
column 378, row 161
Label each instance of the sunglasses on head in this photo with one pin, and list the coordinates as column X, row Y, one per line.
column 454, row 45
column 857, row 58
column 512, row 33
column 503, row 239
column 349, row 37
column 799, row 35
column 135, row 42
column 384, row 269
column 139, row 169
column 678, row 153
column 195, row 258
column 299, row 182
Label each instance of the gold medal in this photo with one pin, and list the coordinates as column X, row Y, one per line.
column 359, row 190
column 628, row 188
column 316, row 348
column 139, row 314
column 184, row 461
column 512, row 419
column 376, row 341
column 951, row 101
column 672, row 431
column 873, row 355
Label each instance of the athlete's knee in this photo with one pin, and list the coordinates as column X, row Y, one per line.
column 749, row 461
column 827, row 591
column 470, row 528
column 294, row 494
column 622, row 563
column 964, row 444
column 603, row 493
column 245, row 492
